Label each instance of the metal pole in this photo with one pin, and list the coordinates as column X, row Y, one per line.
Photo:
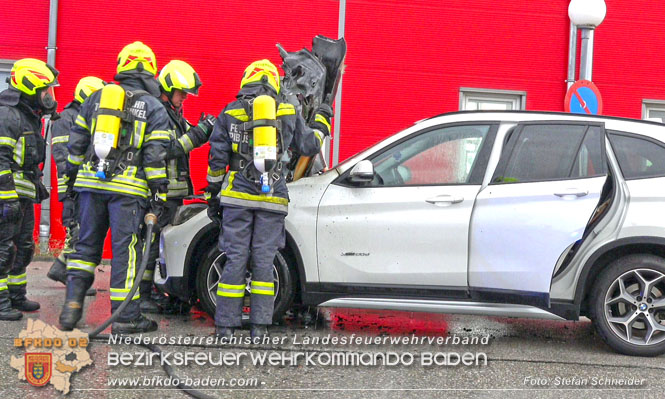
column 338, row 97
column 45, row 216
column 586, row 56
column 572, row 55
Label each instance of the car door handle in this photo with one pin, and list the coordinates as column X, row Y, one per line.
column 572, row 191
column 445, row 199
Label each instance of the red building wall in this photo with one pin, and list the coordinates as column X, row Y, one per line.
column 406, row 60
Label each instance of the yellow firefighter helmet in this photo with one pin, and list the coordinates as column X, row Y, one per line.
column 181, row 76
column 261, row 72
column 29, row 75
column 137, row 57
column 86, row 87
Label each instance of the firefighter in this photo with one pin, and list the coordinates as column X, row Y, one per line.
column 177, row 80
column 60, row 137
column 28, row 98
column 117, row 166
column 253, row 202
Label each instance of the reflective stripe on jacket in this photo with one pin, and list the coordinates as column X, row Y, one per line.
column 21, row 148
column 59, row 139
column 177, row 156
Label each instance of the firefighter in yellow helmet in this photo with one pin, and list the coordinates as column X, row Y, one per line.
column 253, row 193
column 22, row 105
column 177, row 80
column 117, row 166
column 59, row 139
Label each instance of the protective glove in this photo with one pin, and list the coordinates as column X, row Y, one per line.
column 70, row 178
column 322, row 119
column 42, row 192
column 199, row 134
column 68, row 210
column 214, row 207
column 206, row 123
column 10, row 211
column 158, row 200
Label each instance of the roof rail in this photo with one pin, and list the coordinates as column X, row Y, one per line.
column 546, row 113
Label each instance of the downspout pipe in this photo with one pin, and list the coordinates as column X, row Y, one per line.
column 572, row 55
column 338, row 97
column 586, row 56
column 45, row 216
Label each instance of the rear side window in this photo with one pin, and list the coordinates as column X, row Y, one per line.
column 544, row 152
column 638, row 157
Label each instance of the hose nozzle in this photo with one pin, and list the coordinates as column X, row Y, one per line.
column 150, row 219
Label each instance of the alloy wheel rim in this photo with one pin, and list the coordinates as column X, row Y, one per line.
column 216, row 271
column 635, row 307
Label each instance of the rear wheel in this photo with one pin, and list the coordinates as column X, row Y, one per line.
column 628, row 305
column 211, row 269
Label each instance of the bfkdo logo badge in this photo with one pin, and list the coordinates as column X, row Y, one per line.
column 38, row 368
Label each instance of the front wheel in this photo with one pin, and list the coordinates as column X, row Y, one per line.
column 628, row 305
column 211, row 269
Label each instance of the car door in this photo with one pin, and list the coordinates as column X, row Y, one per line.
column 544, row 191
column 409, row 226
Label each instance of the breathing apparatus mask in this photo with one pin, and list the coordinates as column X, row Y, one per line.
column 47, row 103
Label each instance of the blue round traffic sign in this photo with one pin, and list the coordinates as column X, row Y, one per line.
column 583, row 97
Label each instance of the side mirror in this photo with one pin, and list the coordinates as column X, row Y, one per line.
column 363, row 172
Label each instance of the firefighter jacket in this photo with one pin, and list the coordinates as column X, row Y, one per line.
column 229, row 141
column 59, row 139
column 184, row 138
column 141, row 164
column 22, row 148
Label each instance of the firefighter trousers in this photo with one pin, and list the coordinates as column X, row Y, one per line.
column 124, row 215
column 248, row 236
column 16, row 250
column 70, row 220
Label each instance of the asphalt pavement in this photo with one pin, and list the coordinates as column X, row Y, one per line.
column 346, row 354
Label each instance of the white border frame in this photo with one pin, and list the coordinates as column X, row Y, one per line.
column 658, row 105
column 517, row 96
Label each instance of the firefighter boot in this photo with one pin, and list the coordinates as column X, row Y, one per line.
column 24, row 304
column 141, row 324
column 6, row 310
column 146, row 303
column 72, row 310
column 19, row 301
column 258, row 331
column 224, row 332
column 58, row 272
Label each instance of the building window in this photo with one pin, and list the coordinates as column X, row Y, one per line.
column 653, row 110
column 491, row 100
column 5, row 67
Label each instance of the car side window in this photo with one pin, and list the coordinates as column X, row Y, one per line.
column 544, row 152
column 638, row 157
column 440, row 156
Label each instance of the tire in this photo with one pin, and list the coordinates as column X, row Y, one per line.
column 207, row 275
column 615, row 311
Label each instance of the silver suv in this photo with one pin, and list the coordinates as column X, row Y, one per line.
column 520, row 214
